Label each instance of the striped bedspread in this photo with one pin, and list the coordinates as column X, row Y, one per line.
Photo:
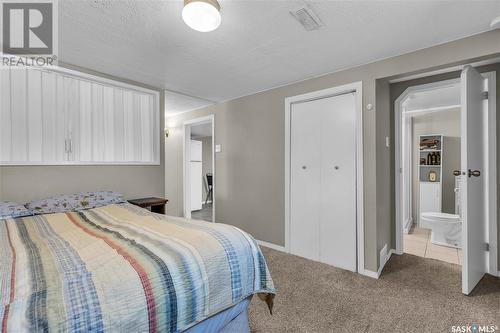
column 120, row 268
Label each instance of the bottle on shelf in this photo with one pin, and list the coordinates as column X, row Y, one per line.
column 429, row 159
column 438, row 158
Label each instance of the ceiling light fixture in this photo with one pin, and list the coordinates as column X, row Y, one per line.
column 201, row 15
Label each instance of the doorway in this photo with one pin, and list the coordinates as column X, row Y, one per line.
column 199, row 169
column 446, row 185
column 324, row 207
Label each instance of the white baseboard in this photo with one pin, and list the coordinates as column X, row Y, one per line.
column 383, row 263
column 384, row 258
column 272, row 246
column 407, row 225
column 369, row 273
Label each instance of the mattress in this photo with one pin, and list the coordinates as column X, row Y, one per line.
column 123, row 268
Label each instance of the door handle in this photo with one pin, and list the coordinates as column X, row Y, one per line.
column 475, row 173
column 456, row 172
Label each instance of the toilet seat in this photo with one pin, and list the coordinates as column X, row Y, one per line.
column 446, row 229
column 441, row 217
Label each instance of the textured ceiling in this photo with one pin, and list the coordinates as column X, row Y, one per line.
column 259, row 45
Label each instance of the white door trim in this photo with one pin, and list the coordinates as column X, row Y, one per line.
column 398, row 159
column 357, row 88
column 492, row 172
column 492, row 164
column 186, row 135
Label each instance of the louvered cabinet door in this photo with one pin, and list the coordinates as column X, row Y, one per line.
column 51, row 117
column 32, row 117
column 5, row 116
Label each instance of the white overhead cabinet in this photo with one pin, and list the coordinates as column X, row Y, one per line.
column 66, row 117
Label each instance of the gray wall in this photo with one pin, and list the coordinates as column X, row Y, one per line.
column 448, row 124
column 25, row 183
column 251, row 131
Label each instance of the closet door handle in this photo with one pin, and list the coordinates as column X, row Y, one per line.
column 475, row 173
column 456, row 172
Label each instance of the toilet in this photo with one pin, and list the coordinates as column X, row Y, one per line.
column 446, row 228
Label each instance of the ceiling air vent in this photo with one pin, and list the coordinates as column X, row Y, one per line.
column 307, row 17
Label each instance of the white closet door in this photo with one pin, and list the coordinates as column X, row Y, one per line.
column 119, row 114
column 97, row 123
column 109, row 124
column 34, row 116
column 56, row 118
column 305, row 180
column 337, row 227
column 323, row 181
column 61, row 121
column 5, row 116
column 128, row 107
column 85, row 139
column 19, row 115
column 49, row 118
column 146, row 126
column 72, row 108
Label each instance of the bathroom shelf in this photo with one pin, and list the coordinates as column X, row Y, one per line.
column 430, row 193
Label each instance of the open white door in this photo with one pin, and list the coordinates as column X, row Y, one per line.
column 474, row 224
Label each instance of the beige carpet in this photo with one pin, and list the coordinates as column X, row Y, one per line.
column 413, row 295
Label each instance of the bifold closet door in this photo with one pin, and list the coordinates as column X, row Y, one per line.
column 323, row 180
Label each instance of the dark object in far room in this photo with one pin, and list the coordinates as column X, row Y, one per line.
column 210, row 187
column 156, row 205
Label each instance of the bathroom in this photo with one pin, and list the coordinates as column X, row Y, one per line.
column 431, row 126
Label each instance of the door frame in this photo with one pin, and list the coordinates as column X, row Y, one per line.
column 357, row 89
column 400, row 154
column 186, row 135
column 491, row 172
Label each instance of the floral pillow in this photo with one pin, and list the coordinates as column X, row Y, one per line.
column 57, row 204
column 89, row 200
column 77, row 201
column 10, row 209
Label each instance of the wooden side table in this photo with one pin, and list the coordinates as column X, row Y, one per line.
column 156, row 205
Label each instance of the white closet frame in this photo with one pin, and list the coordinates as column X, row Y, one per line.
column 357, row 88
column 106, row 83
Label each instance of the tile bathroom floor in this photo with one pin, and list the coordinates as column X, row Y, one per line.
column 418, row 242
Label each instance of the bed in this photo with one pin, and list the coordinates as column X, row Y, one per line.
column 121, row 268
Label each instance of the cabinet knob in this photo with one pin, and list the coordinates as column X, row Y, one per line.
column 304, row 167
column 336, row 167
column 456, row 172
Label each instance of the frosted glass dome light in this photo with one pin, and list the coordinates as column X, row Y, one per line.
column 201, row 15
